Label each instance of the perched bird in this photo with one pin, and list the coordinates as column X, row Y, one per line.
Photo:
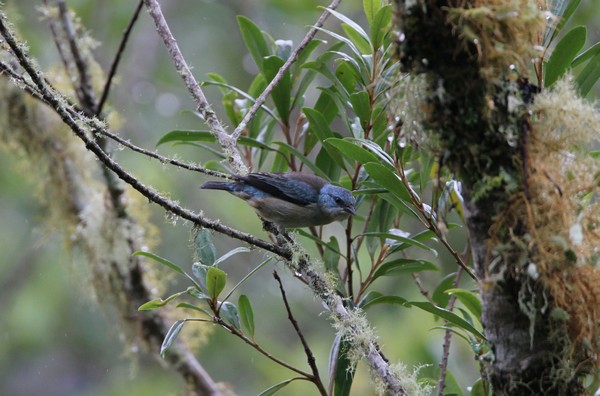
column 290, row 199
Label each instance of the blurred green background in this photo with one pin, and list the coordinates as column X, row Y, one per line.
column 54, row 342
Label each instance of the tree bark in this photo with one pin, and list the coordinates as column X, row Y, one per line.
column 484, row 137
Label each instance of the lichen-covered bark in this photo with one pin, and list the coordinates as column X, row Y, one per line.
column 481, row 123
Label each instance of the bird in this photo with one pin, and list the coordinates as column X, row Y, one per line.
column 290, row 199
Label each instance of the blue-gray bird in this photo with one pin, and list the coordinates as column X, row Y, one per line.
column 291, row 199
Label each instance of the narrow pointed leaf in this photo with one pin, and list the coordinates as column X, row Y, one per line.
column 282, row 93
column 171, row 336
column 565, row 51
column 275, row 388
column 246, row 314
column 230, row 253
column 351, row 150
column 381, row 25
column 341, row 369
column 404, row 266
column 451, row 317
column 371, row 7
column 469, row 299
column 159, row 302
column 388, row 180
column 254, row 39
column 160, row 260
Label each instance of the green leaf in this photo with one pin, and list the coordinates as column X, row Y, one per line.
column 320, row 127
column 282, row 93
column 381, row 25
column 195, row 308
column 171, row 336
column 159, row 302
column 246, row 314
column 160, row 260
column 200, row 271
column 350, row 23
column 349, row 43
column 589, row 76
column 388, row 180
column 371, row 7
column 351, row 150
column 361, row 42
column 565, row 51
column 286, row 148
column 407, row 241
column 275, row 388
column 374, row 298
column 563, row 13
column 361, row 104
column 469, row 299
column 255, row 40
column 439, row 295
column 215, row 281
column 586, row 55
column 205, row 248
column 375, row 149
column 478, row 388
column 403, row 266
column 341, row 368
column 345, row 75
column 331, row 255
column 230, row 253
column 204, row 136
column 229, row 312
column 451, row 317
column 257, row 84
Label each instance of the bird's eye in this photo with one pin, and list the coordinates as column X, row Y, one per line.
column 337, row 200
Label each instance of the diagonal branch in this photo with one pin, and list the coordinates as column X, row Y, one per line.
column 227, row 143
column 288, row 63
column 120, row 50
column 316, row 379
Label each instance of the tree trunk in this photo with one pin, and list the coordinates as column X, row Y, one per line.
column 540, row 342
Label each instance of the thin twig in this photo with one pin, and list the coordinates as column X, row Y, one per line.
column 85, row 92
column 288, row 63
column 422, row 289
column 113, row 68
column 55, row 36
column 227, row 143
column 447, row 340
column 316, row 379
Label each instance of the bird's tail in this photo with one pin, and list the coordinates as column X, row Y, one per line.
column 213, row 185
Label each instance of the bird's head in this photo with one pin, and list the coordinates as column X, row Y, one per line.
column 336, row 202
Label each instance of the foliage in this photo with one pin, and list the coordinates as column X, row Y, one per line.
column 330, row 114
column 347, row 135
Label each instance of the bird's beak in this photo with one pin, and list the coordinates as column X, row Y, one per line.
column 350, row 209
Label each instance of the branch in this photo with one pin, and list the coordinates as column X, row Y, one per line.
column 85, row 91
column 120, row 50
column 316, row 379
column 227, row 143
column 447, row 340
column 57, row 102
column 292, row 58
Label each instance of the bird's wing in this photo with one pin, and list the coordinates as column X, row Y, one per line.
column 296, row 188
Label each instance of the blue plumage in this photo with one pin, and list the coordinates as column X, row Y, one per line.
column 291, row 199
